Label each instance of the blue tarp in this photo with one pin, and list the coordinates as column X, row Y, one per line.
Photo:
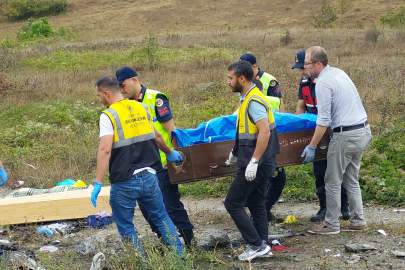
column 224, row 128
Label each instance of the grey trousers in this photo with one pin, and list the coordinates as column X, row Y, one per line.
column 344, row 156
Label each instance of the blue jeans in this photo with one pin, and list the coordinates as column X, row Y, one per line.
column 145, row 189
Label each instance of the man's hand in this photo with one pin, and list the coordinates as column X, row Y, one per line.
column 3, row 176
column 309, row 154
column 251, row 171
column 231, row 159
column 174, row 157
column 95, row 192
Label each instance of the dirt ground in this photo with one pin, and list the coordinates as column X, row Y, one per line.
column 309, row 251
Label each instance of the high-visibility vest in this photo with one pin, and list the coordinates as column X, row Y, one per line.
column 150, row 100
column 274, row 103
column 265, row 79
column 247, row 131
column 134, row 142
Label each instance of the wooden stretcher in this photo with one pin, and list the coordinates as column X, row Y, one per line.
column 205, row 161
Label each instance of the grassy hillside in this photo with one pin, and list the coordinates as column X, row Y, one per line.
column 97, row 20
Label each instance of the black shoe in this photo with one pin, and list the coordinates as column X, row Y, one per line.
column 322, row 211
column 273, row 219
column 345, row 210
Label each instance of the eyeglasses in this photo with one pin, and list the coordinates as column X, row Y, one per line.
column 307, row 64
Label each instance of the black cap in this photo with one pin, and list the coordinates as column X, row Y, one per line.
column 299, row 59
column 248, row 57
column 125, row 73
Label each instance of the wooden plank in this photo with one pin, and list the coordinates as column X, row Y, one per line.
column 52, row 207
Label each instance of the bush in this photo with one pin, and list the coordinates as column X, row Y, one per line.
column 326, row 18
column 359, row 24
column 22, row 9
column 372, row 35
column 394, row 20
column 7, row 42
column 35, row 29
column 285, row 40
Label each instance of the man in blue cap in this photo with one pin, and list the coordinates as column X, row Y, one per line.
column 307, row 103
column 163, row 122
column 278, row 179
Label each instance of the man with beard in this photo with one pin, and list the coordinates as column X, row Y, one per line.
column 255, row 150
column 163, row 122
column 307, row 103
column 340, row 107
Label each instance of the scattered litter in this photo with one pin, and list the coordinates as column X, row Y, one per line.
column 48, row 249
column 275, row 236
column 4, row 241
column 382, row 232
column 229, row 256
column 354, row 259
column 275, row 243
column 20, row 259
column 290, row 219
column 398, row 210
column 359, row 247
column 280, row 200
column 281, row 249
column 57, row 242
column 19, row 183
column 103, row 214
column 386, row 218
column 48, row 232
column 91, row 244
column 398, row 253
column 326, row 250
column 93, row 221
column 336, row 255
column 97, row 260
column 32, row 166
column 67, row 182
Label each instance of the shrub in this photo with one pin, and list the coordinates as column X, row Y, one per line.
column 21, row 9
column 35, row 29
column 326, row 18
column 372, row 35
column 394, row 20
column 285, row 40
column 359, row 24
column 7, row 42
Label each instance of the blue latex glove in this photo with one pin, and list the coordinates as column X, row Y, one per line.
column 309, row 154
column 174, row 157
column 3, row 176
column 95, row 192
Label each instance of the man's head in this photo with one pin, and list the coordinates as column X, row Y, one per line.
column 316, row 60
column 240, row 75
column 108, row 90
column 299, row 63
column 252, row 60
column 258, row 84
column 128, row 82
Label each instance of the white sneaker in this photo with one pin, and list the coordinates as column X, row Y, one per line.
column 252, row 252
column 268, row 254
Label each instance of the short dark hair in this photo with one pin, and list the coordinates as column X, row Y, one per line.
column 318, row 54
column 108, row 82
column 242, row 67
column 258, row 84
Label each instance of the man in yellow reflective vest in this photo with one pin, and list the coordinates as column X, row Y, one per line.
column 163, row 122
column 129, row 146
column 255, row 150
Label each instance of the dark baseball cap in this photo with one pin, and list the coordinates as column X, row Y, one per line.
column 248, row 57
column 299, row 59
column 125, row 73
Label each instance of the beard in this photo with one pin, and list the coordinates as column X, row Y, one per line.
column 237, row 88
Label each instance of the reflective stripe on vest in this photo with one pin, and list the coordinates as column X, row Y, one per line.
column 130, row 133
column 266, row 78
column 245, row 127
column 306, row 95
column 273, row 102
column 150, row 100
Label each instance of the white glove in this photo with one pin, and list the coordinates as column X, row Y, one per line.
column 231, row 160
column 251, row 171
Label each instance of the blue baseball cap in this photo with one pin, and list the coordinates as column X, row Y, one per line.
column 299, row 59
column 248, row 57
column 125, row 73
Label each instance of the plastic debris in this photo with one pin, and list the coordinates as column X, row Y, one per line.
column 48, row 249
column 20, row 259
column 336, row 255
column 281, row 249
column 275, row 236
column 290, row 219
column 19, row 183
column 275, row 243
column 280, row 200
column 79, row 183
column 4, row 241
column 97, row 260
column 326, row 250
column 398, row 210
column 32, row 166
column 48, row 232
column 103, row 214
column 382, row 232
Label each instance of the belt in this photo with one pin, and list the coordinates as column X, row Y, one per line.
column 340, row 129
column 142, row 173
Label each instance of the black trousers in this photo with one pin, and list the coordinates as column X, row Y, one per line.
column 253, row 192
column 174, row 207
column 319, row 173
column 275, row 187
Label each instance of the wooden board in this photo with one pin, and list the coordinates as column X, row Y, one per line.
column 205, row 161
column 52, row 207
